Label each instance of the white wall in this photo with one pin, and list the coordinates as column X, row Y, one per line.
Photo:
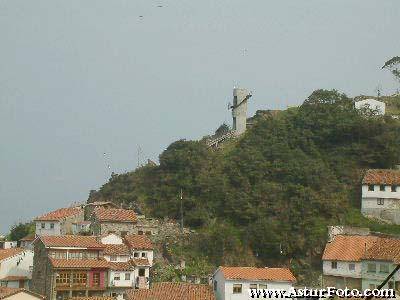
column 120, row 258
column 47, row 230
column 149, row 255
column 111, row 239
column 342, row 269
column 8, row 267
column 380, row 194
column 122, row 282
column 372, row 104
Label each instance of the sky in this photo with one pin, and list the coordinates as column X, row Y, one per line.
column 82, row 78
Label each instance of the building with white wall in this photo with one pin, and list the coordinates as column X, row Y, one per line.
column 8, row 244
column 239, row 110
column 380, row 194
column 58, row 222
column 16, row 267
column 371, row 104
column 341, row 260
column 234, row 283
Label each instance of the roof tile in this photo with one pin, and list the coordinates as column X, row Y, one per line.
column 115, row 215
column 253, row 273
column 382, row 176
column 60, row 214
column 137, row 241
column 7, row 253
column 77, row 241
column 79, row 263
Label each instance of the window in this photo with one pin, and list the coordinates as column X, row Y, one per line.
column 142, row 272
column 62, row 279
column 253, row 286
column 113, row 258
column 140, row 232
column 43, row 225
column 262, row 286
column 237, row 288
column 79, row 278
column 144, row 254
column 117, row 277
column 371, row 268
column 393, row 188
column 75, row 255
column 148, row 232
column 96, row 279
column 136, row 254
column 371, row 187
column 215, row 285
column 127, row 276
column 51, row 225
column 383, row 268
column 124, row 233
column 334, row 264
column 352, row 267
column 380, row 201
column 382, row 188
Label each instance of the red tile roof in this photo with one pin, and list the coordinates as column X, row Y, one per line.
column 348, row 247
column 93, row 298
column 387, row 249
column 28, row 238
column 121, row 266
column 79, row 263
column 60, row 214
column 6, row 292
column 7, row 253
column 253, row 273
column 14, row 278
column 138, row 242
column 382, row 176
column 76, row 241
column 116, row 249
column 115, row 215
column 173, row 291
column 140, row 262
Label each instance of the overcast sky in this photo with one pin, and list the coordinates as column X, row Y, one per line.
column 83, row 78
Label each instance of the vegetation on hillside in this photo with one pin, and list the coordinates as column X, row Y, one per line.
column 21, row 230
column 268, row 198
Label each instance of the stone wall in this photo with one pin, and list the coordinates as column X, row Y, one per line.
column 41, row 274
column 347, row 230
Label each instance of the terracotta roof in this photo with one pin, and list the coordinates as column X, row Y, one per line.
column 79, row 263
column 102, row 203
column 28, row 238
column 121, row 266
column 7, row 253
column 115, row 215
column 77, row 241
column 6, row 292
column 384, row 249
column 253, row 273
column 14, row 278
column 136, row 241
column 60, row 214
column 348, row 247
column 173, row 291
column 116, row 249
column 382, row 176
column 140, row 262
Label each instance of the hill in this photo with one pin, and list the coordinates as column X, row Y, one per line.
column 267, row 197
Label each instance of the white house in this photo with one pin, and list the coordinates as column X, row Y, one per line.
column 58, row 222
column 378, row 106
column 16, row 267
column 8, row 244
column 234, row 283
column 380, row 194
column 129, row 262
column 342, row 260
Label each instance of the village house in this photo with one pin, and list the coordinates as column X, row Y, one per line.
column 81, row 227
column 16, row 267
column 173, row 291
column 378, row 106
column 127, row 269
column 234, row 283
column 342, row 260
column 90, row 207
column 58, row 222
column 379, row 261
column 8, row 244
column 69, row 266
column 7, row 293
column 113, row 220
column 381, row 194
column 27, row 241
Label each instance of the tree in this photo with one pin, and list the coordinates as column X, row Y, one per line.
column 18, row 231
column 393, row 65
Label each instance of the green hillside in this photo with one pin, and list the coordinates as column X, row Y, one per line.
column 268, row 197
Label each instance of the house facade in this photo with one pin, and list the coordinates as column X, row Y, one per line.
column 234, row 283
column 342, row 260
column 113, row 220
column 69, row 266
column 58, row 222
column 381, row 194
column 16, row 267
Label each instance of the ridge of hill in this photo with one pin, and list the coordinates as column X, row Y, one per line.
column 267, row 197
